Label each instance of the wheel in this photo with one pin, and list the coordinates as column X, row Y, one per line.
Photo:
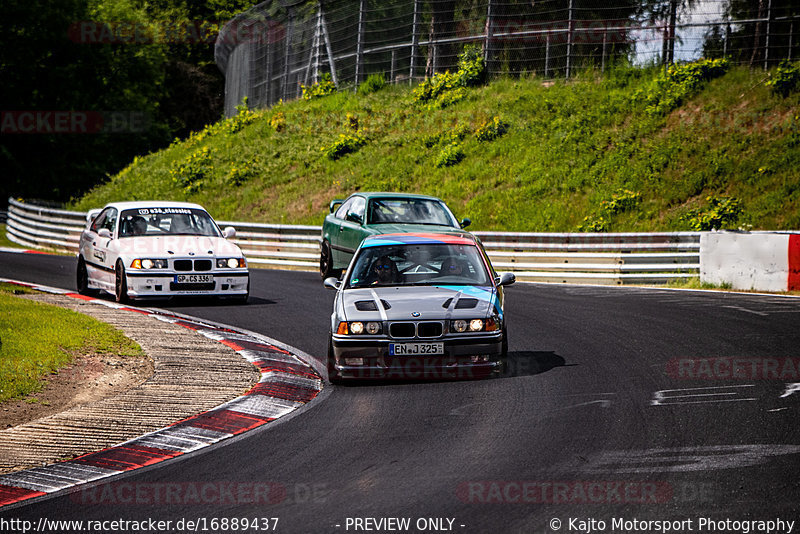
column 333, row 375
column 82, row 278
column 326, row 269
column 121, row 286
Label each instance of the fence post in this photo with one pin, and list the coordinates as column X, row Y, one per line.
column 603, row 56
column 489, row 30
column 287, row 54
column 727, row 39
column 569, row 40
column 766, row 43
column 360, row 42
column 791, row 38
column 547, row 55
column 328, row 47
column 393, row 66
column 414, row 41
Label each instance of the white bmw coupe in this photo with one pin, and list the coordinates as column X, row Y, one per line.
column 159, row 249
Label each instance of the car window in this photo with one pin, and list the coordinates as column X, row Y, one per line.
column 341, row 213
column 424, row 264
column 410, row 210
column 111, row 220
column 357, row 208
column 98, row 221
column 167, row 221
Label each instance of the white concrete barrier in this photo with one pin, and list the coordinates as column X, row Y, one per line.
column 762, row 261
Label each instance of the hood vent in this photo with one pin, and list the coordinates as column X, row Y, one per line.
column 386, row 305
column 447, row 303
column 366, row 305
column 466, row 303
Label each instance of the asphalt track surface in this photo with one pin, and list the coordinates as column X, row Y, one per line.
column 594, row 421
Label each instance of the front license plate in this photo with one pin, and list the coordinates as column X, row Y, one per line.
column 416, row 349
column 194, row 278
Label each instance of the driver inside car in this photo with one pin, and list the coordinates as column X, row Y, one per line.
column 384, row 271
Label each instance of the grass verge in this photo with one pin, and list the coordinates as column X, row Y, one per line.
column 37, row 339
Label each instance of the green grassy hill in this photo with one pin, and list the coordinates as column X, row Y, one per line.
column 625, row 151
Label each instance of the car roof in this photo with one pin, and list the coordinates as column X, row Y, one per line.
column 378, row 194
column 139, row 204
column 419, row 238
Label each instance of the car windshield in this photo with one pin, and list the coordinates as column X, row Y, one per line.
column 166, row 221
column 424, row 264
column 409, row 210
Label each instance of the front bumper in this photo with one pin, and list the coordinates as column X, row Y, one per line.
column 163, row 284
column 464, row 358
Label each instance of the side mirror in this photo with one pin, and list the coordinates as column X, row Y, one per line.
column 229, row 232
column 334, row 204
column 506, row 279
column 353, row 217
column 465, row 222
column 331, row 283
column 104, row 233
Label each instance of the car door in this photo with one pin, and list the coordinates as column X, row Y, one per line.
column 335, row 232
column 104, row 251
column 93, row 250
column 352, row 229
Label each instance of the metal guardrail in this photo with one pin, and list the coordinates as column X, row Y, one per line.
column 587, row 258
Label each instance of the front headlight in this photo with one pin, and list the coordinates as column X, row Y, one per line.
column 231, row 263
column 148, row 263
column 489, row 324
column 358, row 328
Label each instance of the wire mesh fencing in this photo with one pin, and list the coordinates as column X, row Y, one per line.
column 271, row 51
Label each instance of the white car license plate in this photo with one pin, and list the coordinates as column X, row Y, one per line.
column 416, row 349
column 194, row 278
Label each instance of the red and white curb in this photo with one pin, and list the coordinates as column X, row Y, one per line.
column 287, row 383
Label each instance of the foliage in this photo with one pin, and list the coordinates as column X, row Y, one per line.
column 453, row 135
column 593, row 223
column 192, row 171
column 323, row 87
column 346, row 144
column 278, row 122
column 445, row 89
column 450, row 155
column 491, row 130
column 621, row 201
column 373, row 84
column 240, row 174
column 785, row 79
column 669, row 90
column 722, row 212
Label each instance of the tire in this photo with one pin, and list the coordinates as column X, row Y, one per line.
column 121, row 285
column 326, row 269
column 82, row 278
column 333, row 375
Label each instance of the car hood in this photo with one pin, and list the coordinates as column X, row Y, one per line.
column 179, row 245
column 430, row 302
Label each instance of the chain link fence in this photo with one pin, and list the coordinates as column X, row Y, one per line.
column 270, row 51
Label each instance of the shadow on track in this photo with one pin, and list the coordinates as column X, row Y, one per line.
column 529, row 363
